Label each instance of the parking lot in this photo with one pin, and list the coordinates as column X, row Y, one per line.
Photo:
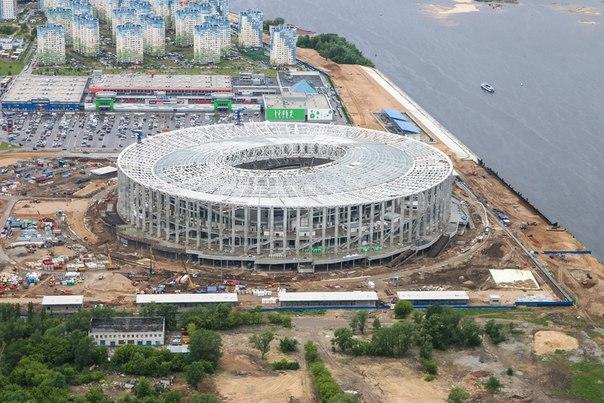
column 93, row 131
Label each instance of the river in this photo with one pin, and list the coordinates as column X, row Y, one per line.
column 543, row 128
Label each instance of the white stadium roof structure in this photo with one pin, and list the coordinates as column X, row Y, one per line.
column 362, row 165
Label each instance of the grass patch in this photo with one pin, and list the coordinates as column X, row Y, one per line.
column 320, row 312
column 7, row 146
column 585, row 380
column 257, row 55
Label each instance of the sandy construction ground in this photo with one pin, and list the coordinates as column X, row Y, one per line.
column 92, row 187
column 548, row 341
column 10, row 157
column 246, row 378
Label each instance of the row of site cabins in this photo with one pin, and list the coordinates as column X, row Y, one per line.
column 150, row 331
column 64, row 304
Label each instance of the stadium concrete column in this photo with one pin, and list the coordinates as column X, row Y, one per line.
column 382, row 223
column 246, row 223
column 258, row 228
column 285, row 220
column 371, row 222
column 297, row 230
column 158, row 213
column 220, row 226
column 233, row 228
column 209, row 224
column 271, row 229
column 336, row 231
column 349, row 221
column 324, row 229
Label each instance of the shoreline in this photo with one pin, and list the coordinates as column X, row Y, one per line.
column 435, row 128
column 423, row 118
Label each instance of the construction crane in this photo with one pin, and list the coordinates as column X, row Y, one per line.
column 190, row 284
column 110, row 265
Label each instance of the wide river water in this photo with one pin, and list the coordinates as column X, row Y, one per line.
column 542, row 130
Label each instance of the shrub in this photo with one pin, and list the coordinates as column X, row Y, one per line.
column 262, row 341
column 279, row 319
column 429, row 377
column 288, row 345
column 510, row 372
column 376, row 323
column 458, row 395
column 311, row 352
column 492, row 384
column 429, row 366
column 285, row 365
column 402, row 309
column 495, row 331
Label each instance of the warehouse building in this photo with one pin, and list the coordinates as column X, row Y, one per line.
column 329, row 299
column 434, row 297
column 297, row 107
column 154, row 91
column 187, row 300
column 117, row 331
column 47, row 93
column 62, row 304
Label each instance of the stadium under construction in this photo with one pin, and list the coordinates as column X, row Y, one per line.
column 292, row 195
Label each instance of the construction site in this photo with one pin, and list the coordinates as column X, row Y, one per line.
column 60, row 237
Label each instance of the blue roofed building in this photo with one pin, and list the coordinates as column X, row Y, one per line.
column 401, row 122
column 304, row 87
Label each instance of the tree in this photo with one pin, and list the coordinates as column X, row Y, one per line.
column 359, row 321
column 492, row 384
column 343, row 338
column 376, row 323
column 458, row 395
column 288, row 345
column 195, row 372
column 95, row 395
column 495, row 331
column 402, row 309
column 393, row 341
column 205, row 345
column 262, row 341
column 143, row 389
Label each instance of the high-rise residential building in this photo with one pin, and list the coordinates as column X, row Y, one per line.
column 163, row 8
column 224, row 8
column 186, row 19
column 142, row 7
column 64, row 17
column 250, row 29
column 51, row 44
column 129, row 43
column 8, row 9
column 283, row 45
column 154, row 35
column 80, row 7
column 48, row 4
column 121, row 16
column 107, row 9
column 211, row 41
column 86, row 34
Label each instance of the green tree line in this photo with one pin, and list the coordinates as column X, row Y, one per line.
column 336, row 48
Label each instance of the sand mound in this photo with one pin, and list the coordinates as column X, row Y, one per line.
column 548, row 341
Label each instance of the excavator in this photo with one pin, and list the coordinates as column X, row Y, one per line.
column 190, row 284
